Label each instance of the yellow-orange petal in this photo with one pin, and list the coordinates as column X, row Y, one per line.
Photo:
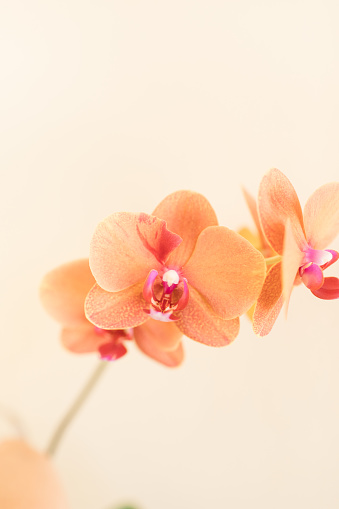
column 321, row 216
column 126, row 246
column 253, row 238
column 291, row 261
column 81, row 339
column 118, row 310
column 163, row 335
column 227, row 270
column 63, row 291
column 170, row 359
column 269, row 303
column 199, row 322
column 252, row 205
column 28, row 479
column 277, row 202
column 186, row 213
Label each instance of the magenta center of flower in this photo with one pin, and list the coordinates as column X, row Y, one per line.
column 314, row 263
column 166, row 295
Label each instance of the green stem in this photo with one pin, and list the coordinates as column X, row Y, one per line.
column 273, row 259
column 75, row 407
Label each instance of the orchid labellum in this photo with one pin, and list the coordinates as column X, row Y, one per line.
column 300, row 240
column 175, row 268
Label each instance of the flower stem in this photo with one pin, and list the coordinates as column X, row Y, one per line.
column 75, row 407
column 273, row 259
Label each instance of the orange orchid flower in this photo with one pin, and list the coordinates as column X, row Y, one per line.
column 176, row 266
column 63, row 292
column 28, row 479
column 300, row 240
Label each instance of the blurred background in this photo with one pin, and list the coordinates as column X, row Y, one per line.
column 112, row 105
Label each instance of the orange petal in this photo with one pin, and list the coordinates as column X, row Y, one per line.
column 163, row 335
column 82, row 339
column 227, row 270
column 252, row 205
column 118, row 310
column 148, row 340
column 199, row 322
column 321, row 216
column 63, row 292
column 125, row 247
column 269, row 303
column 291, row 261
column 187, row 213
column 27, row 479
column 277, row 202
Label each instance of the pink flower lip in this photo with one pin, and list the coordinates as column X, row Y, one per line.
column 314, row 263
column 163, row 299
column 318, row 256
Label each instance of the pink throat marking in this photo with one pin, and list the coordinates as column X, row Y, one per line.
column 314, row 263
column 112, row 346
column 163, row 308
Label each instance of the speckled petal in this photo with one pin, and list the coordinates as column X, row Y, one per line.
column 126, row 246
column 291, row 261
column 329, row 290
column 170, row 359
column 163, row 335
column 63, row 291
column 187, row 213
column 277, row 202
column 321, row 216
column 269, row 303
column 119, row 310
column 199, row 322
column 28, row 479
column 227, row 270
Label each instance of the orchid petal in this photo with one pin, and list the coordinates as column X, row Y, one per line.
column 227, row 270
column 291, row 261
column 126, row 246
column 321, row 216
column 329, row 290
column 87, row 338
column 312, row 276
column 252, row 205
column 199, row 322
column 253, row 238
column 277, row 202
column 63, row 291
column 170, row 359
column 163, row 336
column 269, row 303
column 27, row 479
column 335, row 257
column 187, row 214
column 118, row 310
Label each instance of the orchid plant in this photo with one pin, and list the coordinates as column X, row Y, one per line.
column 152, row 278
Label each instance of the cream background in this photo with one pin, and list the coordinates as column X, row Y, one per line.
column 112, row 105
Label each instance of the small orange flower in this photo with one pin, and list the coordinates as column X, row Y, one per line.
column 300, row 240
column 176, row 266
column 63, row 292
